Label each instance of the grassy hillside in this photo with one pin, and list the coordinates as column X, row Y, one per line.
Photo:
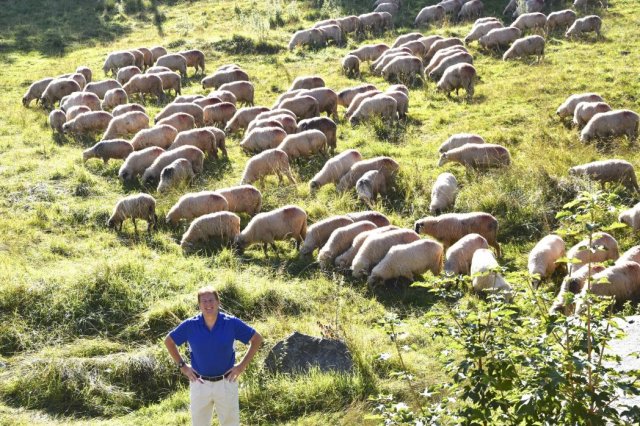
column 83, row 309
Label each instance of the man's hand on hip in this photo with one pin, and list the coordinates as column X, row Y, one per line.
column 190, row 373
column 235, row 372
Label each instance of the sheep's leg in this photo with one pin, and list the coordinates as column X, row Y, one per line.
column 135, row 226
column 290, row 177
column 264, row 249
column 280, row 182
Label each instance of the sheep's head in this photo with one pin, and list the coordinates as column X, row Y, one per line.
column 239, row 244
column 113, row 222
column 625, row 218
column 25, row 100
column 444, row 159
column 424, row 225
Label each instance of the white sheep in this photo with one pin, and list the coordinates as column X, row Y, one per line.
column 388, row 166
column 75, row 111
column 603, row 247
column 441, row 44
column 586, row 110
column 407, row 261
column 500, row 37
column 157, row 51
column 242, row 199
column 567, row 108
column 126, row 124
column 285, row 121
column 481, row 30
column 478, row 156
column 459, row 57
column 543, row 257
column 271, row 161
column 173, row 61
column 223, row 226
column 145, row 84
column 181, row 121
column 135, row 206
column 384, row 60
column 195, row 58
column 262, row 138
column 345, row 96
column 304, row 144
column 369, row 52
column 202, row 138
column 281, row 224
column 123, row 109
column 335, row 168
column 117, row 60
column 58, row 89
column 344, row 261
column 449, row 228
column 219, row 113
column 191, row 153
column 402, row 102
column 631, row 255
column 370, row 215
column 90, row 100
column 376, row 247
column 370, row 185
column 631, row 217
column 441, row 55
column 318, row 233
column 460, row 254
column 530, row 21
column 161, row 135
column 404, row 38
column 603, row 171
column 125, row 74
column 312, row 37
column 381, row 105
column 177, row 173
column 189, row 108
column 137, row 162
column 307, row 82
column 483, row 266
column 459, row 139
column 471, row 9
column 528, row 6
column 242, row 90
column 428, row 15
column 170, row 81
column 560, row 19
column 100, row 88
column 113, row 98
column 242, row 118
column 327, row 100
column 89, row 123
column 351, row 66
column 56, row 120
column 108, row 149
column 357, row 100
column 340, row 240
column 619, row 122
column 456, row 77
column 527, row 46
column 443, row 193
column 303, row 106
column 591, row 23
column 403, row 68
column 428, row 41
column 332, row 33
column 36, row 90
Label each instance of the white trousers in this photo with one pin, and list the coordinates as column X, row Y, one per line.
column 223, row 394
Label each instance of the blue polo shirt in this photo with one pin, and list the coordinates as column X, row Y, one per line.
column 212, row 351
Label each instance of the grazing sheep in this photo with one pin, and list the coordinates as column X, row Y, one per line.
column 90, row 100
column 307, row 82
column 481, row 30
column 407, row 261
column 543, row 257
column 370, row 215
column 500, row 37
column 224, row 96
column 398, row 88
column 220, row 139
column 527, row 46
column 416, row 47
column 171, row 81
column 312, row 37
column 376, row 247
column 126, row 124
column 460, row 254
column 302, row 106
column 304, row 144
column 332, row 32
column 428, row 15
column 242, row 118
column 325, row 125
column 456, row 77
column 107, row 149
column 391, row 8
column 591, row 23
column 173, row 61
column 441, row 44
column 192, row 109
column 443, row 193
column 271, row 161
column 371, row 22
column 611, row 124
column 603, row 247
column 208, row 101
column 586, row 110
column 460, row 139
column 188, row 152
column 340, row 240
column 510, row 8
column 470, row 10
column 117, row 60
column 242, row 199
column 220, row 225
column 318, row 234
column 428, row 41
column 631, row 255
column 157, row 70
column 135, row 206
column 147, row 55
column 75, row 111
column 530, row 21
column 357, row 100
column 483, row 266
column 443, row 54
column 56, row 120
column 452, row 7
column 144, row 84
column 381, row 105
column 528, row 6
column 349, row 24
column 86, row 72
column 123, row 109
column 242, row 90
column 631, row 217
column 403, row 68
column 157, row 52
column 281, row 224
column 327, row 100
column 78, row 78
column 125, row 74
column 459, row 57
column 36, row 90
column 561, row 19
column 344, row 261
column 402, row 39
column 477, row 156
column 58, row 89
column 568, row 107
column 263, row 138
column 203, row 139
column 402, row 102
column 370, row 185
column 449, row 228
column 137, row 162
column 386, row 165
column 195, row 58
column 274, row 112
column 139, row 57
column 335, row 168
column 285, row 122
column 345, row 96
column 177, row 173
column 369, row 52
column 384, row 60
column 219, row 113
column 113, row 98
column 89, row 123
column 181, row 121
column 100, row 88
column 619, row 171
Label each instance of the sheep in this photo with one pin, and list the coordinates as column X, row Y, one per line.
column 499, row 37
column 125, row 74
column 157, row 70
column 57, row 89
column 428, row 41
column 603, row 247
column 171, row 81
column 56, row 120
column 173, row 61
column 203, row 139
column 307, row 82
column 483, row 266
column 450, row 227
column 311, row 37
column 443, row 54
column 123, row 109
column 443, row 193
column 477, row 156
column 145, row 84
column 470, row 10
column 113, row 98
column 376, row 247
column 242, row 90
column 139, row 58
column 530, row 21
column 608, row 171
column 391, row 8
column 370, row 185
column 527, row 46
column 285, row 122
column 349, row 24
column 260, row 139
column 302, row 106
column 195, row 58
column 456, row 77
column 442, row 44
column 242, row 199
column 543, row 257
column 429, row 14
column 191, row 153
column 388, row 166
column 402, row 39
column 510, row 8
column 75, row 111
column 560, row 19
column 344, row 261
column 612, row 124
column 281, row 224
column 403, row 68
column 157, row 52
column 345, row 96
column 78, row 78
column 220, row 225
column 181, row 121
column 453, row 59
column 100, row 88
column 86, row 72
column 126, row 124
column 591, row 23
column 631, row 255
column 135, row 206
column 89, row 100
column 371, row 22
column 175, row 174
column 327, row 100
column 192, row 109
column 335, row 168
column 452, row 7
column 407, row 261
column 481, row 30
column 340, row 240
column 631, row 217
column 381, row 105
column 567, row 108
column 416, row 47
column 304, row 144
column 117, row 60
column 325, row 22
column 137, row 162
column 398, row 88
column 332, row 32
column 220, row 139
column 318, row 234
column 89, row 123
column 274, row 112
column 242, row 118
column 219, row 113
column 586, row 110
column 370, row 215
column 402, row 102
column 528, row 6
column 460, row 139
column 384, row 60
column 271, row 161
column 460, row 254
column 357, row 100
column 147, row 57
column 108, row 149
column 208, row 101
column 36, row 90
column 369, row 52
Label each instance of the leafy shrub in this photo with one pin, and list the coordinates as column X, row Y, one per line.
column 239, row 45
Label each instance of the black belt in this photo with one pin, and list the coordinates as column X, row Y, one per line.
column 211, row 378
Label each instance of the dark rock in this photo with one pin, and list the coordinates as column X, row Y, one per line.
column 298, row 353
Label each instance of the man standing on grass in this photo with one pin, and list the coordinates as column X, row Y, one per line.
column 213, row 372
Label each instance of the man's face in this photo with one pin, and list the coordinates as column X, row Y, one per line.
column 208, row 303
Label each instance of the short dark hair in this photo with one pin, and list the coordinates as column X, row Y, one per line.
column 208, row 289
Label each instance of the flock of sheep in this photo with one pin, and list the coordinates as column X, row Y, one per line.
column 193, row 127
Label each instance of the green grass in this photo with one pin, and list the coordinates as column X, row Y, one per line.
column 83, row 310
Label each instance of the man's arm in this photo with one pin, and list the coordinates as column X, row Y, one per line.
column 254, row 344
column 175, row 354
